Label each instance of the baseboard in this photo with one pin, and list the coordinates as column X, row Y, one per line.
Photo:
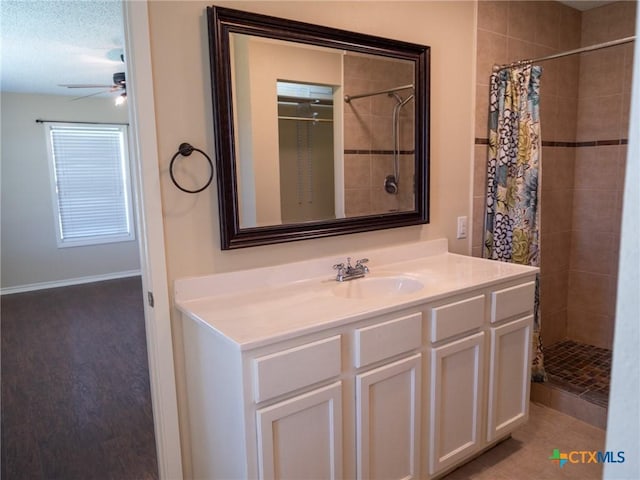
column 67, row 282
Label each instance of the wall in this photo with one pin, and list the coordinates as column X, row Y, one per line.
column 602, row 117
column 584, row 99
column 179, row 48
column 30, row 255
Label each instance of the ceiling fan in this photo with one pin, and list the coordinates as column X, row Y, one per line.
column 119, row 85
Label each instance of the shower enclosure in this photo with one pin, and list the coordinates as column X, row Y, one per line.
column 305, row 141
column 379, row 135
column 584, row 122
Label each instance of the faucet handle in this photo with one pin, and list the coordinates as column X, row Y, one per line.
column 361, row 264
column 338, row 266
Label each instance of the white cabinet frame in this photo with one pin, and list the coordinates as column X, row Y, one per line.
column 404, row 406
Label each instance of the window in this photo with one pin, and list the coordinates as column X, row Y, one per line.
column 89, row 168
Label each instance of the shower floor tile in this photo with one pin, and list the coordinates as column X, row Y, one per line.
column 581, row 369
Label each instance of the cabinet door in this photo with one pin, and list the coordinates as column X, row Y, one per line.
column 388, row 421
column 456, row 390
column 301, row 438
column 509, row 377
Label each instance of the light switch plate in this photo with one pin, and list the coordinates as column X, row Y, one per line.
column 462, row 228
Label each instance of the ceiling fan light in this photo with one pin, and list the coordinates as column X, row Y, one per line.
column 120, row 99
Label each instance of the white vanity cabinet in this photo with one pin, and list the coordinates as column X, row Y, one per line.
column 510, row 359
column 302, row 437
column 457, row 382
column 298, row 382
column 388, row 399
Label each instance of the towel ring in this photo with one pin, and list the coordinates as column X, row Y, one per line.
column 186, row 149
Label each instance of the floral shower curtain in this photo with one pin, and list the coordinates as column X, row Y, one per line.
column 512, row 224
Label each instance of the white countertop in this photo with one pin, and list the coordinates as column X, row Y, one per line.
column 252, row 308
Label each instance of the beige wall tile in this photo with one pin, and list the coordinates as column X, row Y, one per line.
column 522, row 24
column 624, row 122
column 383, row 202
column 553, row 326
column 381, row 166
column 357, row 201
column 480, row 170
column 567, row 119
column 357, row 133
column 493, row 16
column 591, row 328
column 357, row 171
column 627, row 50
column 556, row 250
column 381, row 132
column 556, row 210
column 569, row 75
column 599, row 118
column 600, row 73
column 593, row 210
column 548, row 15
column 357, row 66
column 590, row 292
column 518, row 49
column 492, row 49
column 622, row 163
column 594, row 27
column 477, row 238
column 557, row 167
column 549, row 124
column 553, row 291
column 597, row 167
column 482, row 111
column 592, row 252
column 620, row 19
column 569, row 35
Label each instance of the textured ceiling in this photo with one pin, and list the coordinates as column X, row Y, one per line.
column 51, row 42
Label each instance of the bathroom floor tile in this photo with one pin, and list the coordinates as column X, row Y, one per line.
column 581, row 369
column 525, row 455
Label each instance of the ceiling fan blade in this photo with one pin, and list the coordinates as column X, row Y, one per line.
column 90, row 95
column 83, row 85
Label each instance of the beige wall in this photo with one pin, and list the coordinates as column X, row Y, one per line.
column 584, row 98
column 184, row 113
column 30, row 255
column 180, row 59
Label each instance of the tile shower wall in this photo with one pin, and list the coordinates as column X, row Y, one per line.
column 368, row 136
column 584, row 99
column 510, row 31
column 603, row 117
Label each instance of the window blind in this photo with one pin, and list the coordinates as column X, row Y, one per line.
column 90, row 180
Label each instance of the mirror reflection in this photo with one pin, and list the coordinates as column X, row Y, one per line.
column 321, row 133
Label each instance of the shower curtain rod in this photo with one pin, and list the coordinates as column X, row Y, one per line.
column 348, row 98
column 598, row 46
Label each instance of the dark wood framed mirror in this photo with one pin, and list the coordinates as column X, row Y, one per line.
column 318, row 131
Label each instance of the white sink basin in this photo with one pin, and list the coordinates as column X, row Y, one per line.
column 372, row 287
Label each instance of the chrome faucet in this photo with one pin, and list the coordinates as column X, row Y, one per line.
column 349, row 272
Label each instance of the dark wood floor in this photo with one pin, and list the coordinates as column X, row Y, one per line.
column 75, row 384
